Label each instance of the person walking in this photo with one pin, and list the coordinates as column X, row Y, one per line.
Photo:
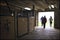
column 50, row 20
column 44, row 21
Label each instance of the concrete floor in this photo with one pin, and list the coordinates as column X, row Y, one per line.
column 41, row 33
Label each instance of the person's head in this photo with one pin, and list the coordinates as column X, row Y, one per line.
column 50, row 16
column 44, row 16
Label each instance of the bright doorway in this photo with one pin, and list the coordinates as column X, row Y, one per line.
column 47, row 14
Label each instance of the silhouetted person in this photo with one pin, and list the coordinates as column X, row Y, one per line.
column 50, row 19
column 44, row 21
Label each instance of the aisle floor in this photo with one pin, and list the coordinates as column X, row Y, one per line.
column 41, row 33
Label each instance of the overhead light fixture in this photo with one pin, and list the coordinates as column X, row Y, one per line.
column 52, row 6
column 27, row 8
column 49, row 7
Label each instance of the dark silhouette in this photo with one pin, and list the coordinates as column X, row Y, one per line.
column 44, row 21
column 50, row 19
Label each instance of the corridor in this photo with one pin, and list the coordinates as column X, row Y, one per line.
column 21, row 19
column 41, row 33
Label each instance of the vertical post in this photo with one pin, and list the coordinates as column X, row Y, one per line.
column 34, row 15
column 16, row 25
column 33, row 10
column 28, row 22
column 36, row 18
column 59, row 4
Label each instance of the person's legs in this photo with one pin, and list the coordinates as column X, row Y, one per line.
column 44, row 25
column 41, row 23
column 50, row 24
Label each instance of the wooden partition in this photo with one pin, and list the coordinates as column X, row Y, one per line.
column 7, row 27
column 31, row 24
column 16, row 25
column 22, row 26
column 25, row 22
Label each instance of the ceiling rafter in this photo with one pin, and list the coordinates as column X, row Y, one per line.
column 39, row 4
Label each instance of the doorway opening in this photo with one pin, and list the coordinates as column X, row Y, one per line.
column 48, row 15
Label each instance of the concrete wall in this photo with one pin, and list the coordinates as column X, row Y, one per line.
column 7, row 32
column 22, row 26
column 57, row 19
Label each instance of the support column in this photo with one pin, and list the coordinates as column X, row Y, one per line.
column 34, row 15
column 37, row 18
column 16, row 25
column 59, row 4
